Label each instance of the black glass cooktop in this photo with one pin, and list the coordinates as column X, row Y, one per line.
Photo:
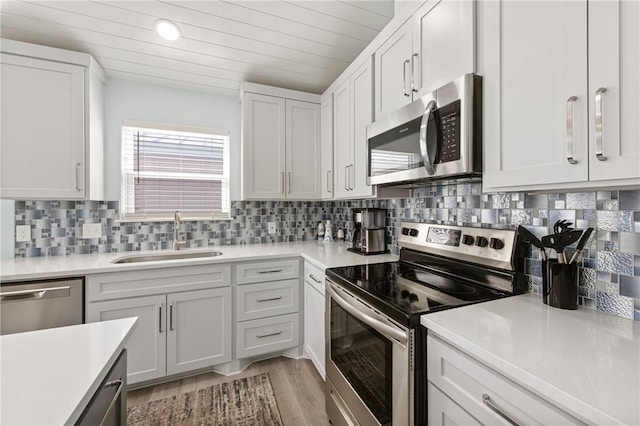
column 404, row 291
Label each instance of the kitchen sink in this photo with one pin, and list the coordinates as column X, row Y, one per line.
column 136, row 258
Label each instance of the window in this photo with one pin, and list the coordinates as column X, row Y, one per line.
column 167, row 168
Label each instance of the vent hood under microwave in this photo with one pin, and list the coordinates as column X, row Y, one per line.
column 438, row 136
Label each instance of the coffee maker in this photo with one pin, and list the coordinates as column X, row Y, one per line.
column 369, row 231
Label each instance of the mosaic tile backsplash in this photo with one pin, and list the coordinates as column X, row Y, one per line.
column 609, row 271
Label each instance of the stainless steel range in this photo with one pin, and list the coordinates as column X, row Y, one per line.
column 376, row 349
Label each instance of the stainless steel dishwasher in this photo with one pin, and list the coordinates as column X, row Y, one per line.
column 34, row 305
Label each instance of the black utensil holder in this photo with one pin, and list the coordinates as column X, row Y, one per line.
column 560, row 284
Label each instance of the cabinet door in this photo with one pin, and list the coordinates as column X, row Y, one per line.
column 199, row 324
column 393, row 71
column 263, row 147
column 304, row 180
column 146, row 349
column 342, row 138
column 42, row 150
column 444, row 41
column 528, row 84
column 326, row 143
column 614, row 65
column 443, row 411
column 362, row 116
column 314, row 341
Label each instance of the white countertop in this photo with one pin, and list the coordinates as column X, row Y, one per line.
column 323, row 256
column 585, row 362
column 47, row 377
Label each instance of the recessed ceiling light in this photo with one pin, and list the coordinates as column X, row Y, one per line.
column 167, row 30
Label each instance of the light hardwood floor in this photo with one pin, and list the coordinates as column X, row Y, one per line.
column 298, row 388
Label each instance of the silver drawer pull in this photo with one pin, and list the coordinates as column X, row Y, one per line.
column 487, row 401
column 270, row 271
column 39, row 293
column 160, row 318
column 269, row 299
column 262, row 336
column 315, row 279
column 120, row 384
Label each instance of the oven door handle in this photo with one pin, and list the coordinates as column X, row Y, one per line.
column 386, row 330
column 424, row 151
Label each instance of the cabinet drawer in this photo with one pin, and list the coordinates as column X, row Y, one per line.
column 267, row 299
column 314, row 276
column 266, row 335
column 442, row 410
column 466, row 381
column 156, row 281
column 248, row 273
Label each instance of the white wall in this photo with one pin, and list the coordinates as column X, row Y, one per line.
column 129, row 100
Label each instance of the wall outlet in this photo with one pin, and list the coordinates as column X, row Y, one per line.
column 272, row 228
column 92, row 230
column 23, row 233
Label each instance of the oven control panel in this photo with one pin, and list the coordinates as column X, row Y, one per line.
column 494, row 247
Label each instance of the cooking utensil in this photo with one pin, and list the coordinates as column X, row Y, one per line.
column 559, row 242
column 561, row 225
column 528, row 236
column 581, row 244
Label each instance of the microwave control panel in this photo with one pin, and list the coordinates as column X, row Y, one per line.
column 448, row 119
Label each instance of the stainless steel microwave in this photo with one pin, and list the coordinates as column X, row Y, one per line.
column 438, row 136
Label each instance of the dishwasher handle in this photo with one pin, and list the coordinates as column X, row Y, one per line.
column 39, row 293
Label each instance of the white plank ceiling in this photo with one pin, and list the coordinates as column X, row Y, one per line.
column 300, row 45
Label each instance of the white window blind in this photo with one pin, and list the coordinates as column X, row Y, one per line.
column 168, row 168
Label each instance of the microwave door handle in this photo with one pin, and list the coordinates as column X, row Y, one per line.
column 428, row 163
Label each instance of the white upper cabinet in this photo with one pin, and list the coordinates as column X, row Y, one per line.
column 280, row 145
column 435, row 46
column 614, row 90
column 545, row 66
column 326, row 144
column 353, row 112
column 52, row 123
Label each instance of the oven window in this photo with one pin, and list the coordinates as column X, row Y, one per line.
column 396, row 150
column 364, row 358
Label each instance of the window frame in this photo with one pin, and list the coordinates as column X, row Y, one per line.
column 126, row 175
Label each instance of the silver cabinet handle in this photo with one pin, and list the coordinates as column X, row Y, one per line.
column 599, row 154
column 346, row 177
column 329, row 185
column 262, row 336
column 413, row 72
column 570, row 102
column 352, row 177
column 404, row 78
column 424, row 151
column 171, row 316
column 270, row 271
column 487, row 401
column 315, row 279
column 39, row 293
column 160, row 318
column 78, row 176
column 289, row 178
column 282, row 188
column 120, row 384
column 271, row 299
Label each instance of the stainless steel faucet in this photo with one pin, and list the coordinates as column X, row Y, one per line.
column 177, row 244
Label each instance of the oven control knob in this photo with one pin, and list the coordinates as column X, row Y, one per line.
column 467, row 240
column 481, row 242
column 496, row 244
column 413, row 233
column 405, row 231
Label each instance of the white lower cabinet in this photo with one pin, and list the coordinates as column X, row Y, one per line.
column 457, row 380
column 314, row 321
column 199, row 329
column 267, row 301
column 177, row 331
